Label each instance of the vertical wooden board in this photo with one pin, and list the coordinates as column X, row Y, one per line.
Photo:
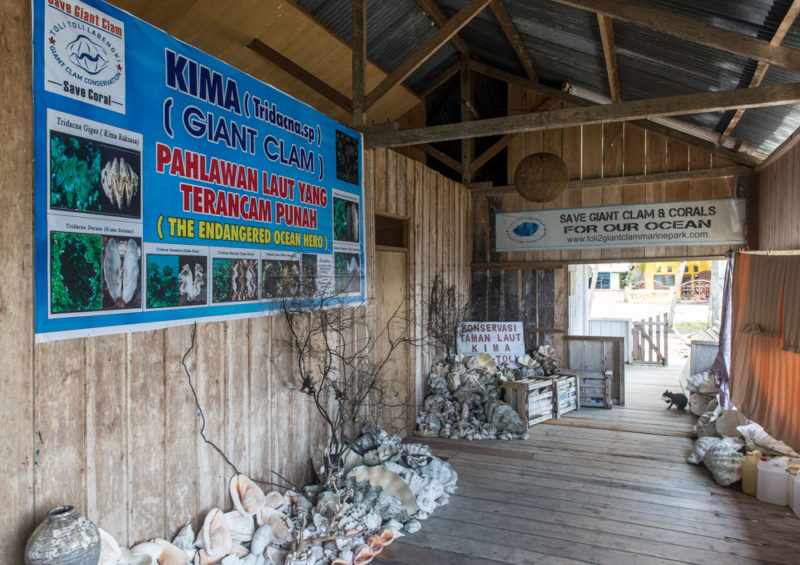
column 510, row 296
column 571, row 151
column 592, row 152
column 545, row 288
column 391, row 182
column 678, row 160
column 528, row 307
column 613, row 145
column 379, row 157
column 400, row 184
column 479, row 284
column 260, row 401
column 107, row 435
column 552, row 139
column 209, row 381
column 494, row 296
column 148, row 441
column 560, row 307
column 237, row 395
column 180, row 477
column 634, row 150
column 656, row 153
column 58, row 426
column 495, row 205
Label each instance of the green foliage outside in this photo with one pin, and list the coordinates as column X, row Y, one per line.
column 162, row 286
column 222, row 281
column 75, row 283
column 74, row 173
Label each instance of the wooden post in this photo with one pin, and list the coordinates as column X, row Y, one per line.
column 467, row 144
column 359, row 61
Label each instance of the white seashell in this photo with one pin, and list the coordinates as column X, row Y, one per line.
column 412, row 526
column 728, row 423
column 170, row 553
column 275, row 500
column 131, row 558
column 216, row 535
column 203, row 558
column 110, row 553
column 147, row 548
column 261, row 539
column 112, row 261
column 389, row 482
column 276, row 556
column 757, row 438
column 247, row 497
column 130, row 268
column 278, row 521
column 184, row 539
column 702, row 383
column 231, row 560
column 241, row 527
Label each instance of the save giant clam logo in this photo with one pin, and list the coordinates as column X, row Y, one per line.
column 88, row 55
column 527, row 229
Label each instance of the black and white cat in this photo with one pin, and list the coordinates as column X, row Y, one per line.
column 676, row 399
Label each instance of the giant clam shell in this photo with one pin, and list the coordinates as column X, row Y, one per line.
column 216, row 534
column 110, row 552
column 247, row 497
column 112, row 261
column 130, row 268
column 241, row 527
column 280, row 523
column 389, row 482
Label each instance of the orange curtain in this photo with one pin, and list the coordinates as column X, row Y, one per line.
column 765, row 379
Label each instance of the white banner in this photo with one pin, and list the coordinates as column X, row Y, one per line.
column 696, row 222
column 502, row 340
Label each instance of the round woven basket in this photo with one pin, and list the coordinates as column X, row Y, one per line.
column 541, row 177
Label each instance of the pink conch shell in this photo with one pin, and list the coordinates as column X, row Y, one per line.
column 375, row 543
column 203, row 558
column 170, row 554
column 362, row 554
column 110, row 553
column 247, row 497
column 275, row 500
column 387, row 536
column 281, row 525
column 216, row 535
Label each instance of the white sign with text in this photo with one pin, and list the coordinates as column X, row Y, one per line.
column 504, row 341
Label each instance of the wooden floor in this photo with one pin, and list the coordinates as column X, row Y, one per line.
column 600, row 486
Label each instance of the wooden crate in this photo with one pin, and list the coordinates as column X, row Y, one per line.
column 567, row 392
column 595, row 388
column 531, row 398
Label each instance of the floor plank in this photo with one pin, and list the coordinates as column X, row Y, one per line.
column 599, row 486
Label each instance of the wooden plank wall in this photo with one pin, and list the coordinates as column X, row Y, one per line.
column 439, row 211
column 109, row 425
column 538, row 297
column 778, row 203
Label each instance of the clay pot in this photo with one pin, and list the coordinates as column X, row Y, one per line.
column 63, row 538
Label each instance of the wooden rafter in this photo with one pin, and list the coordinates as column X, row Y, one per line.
column 359, row 61
column 298, row 72
column 554, row 93
column 508, row 27
column 676, row 176
column 440, row 19
column 692, row 30
column 467, row 114
column 610, row 53
column 440, row 80
column 761, row 69
column 428, row 48
column 440, row 156
column 763, row 96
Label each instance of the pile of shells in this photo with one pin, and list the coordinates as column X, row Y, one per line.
column 463, row 401
column 379, row 496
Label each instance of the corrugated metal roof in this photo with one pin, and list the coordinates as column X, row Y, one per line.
column 564, row 44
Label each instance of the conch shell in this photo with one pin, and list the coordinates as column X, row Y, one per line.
column 387, row 536
column 247, row 497
column 216, row 534
column 362, row 555
column 170, row 554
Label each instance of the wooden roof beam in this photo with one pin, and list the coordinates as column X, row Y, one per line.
column 692, row 30
column 508, row 27
column 440, row 156
column 428, row 48
column 761, row 69
column 440, row 19
column 610, row 53
column 564, row 95
column 676, row 176
column 702, row 102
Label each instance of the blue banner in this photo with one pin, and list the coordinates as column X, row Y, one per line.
column 171, row 187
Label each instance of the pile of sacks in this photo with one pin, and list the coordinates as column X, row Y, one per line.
column 724, row 435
